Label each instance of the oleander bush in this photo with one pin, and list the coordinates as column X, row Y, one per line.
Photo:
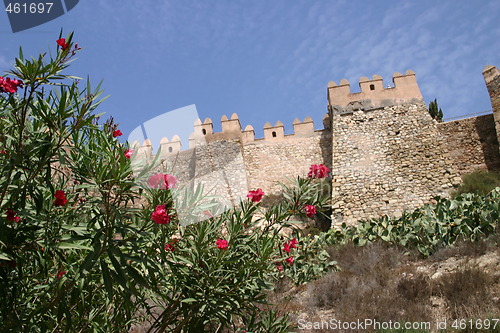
column 93, row 239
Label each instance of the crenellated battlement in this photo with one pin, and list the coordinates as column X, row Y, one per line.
column 203, row 132
column 373, row 95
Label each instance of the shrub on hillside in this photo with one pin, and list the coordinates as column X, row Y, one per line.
column 480, row 181
column 467, row 217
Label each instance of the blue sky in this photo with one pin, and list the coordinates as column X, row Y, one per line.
column 268, row 60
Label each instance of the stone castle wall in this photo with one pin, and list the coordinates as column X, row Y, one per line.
column 218, row 165
column 268, row 162
column 491, row 76
column 386, row 161
column 233, row 162
column 385, row 152
column 472, row 143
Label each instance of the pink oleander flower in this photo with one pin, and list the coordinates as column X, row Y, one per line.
column 256, row 195
column 60, row 198
column 290, row 260
column 129, row 153
column 318, row 171
column 208, row 214
column 160, row 215
column 62, row 43
column 221, row 244
column 310, row 210
column 117, row 133
column 170, row 181
column 162, row 181
column 11, row 215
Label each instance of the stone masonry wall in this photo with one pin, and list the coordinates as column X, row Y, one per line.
column 387, row 160
column 472, row 143
column 492, row 79
column 218, row 165
column 268, row 163
column 233, row 161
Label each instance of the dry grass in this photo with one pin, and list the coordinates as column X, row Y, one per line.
column 467, row 292
column 368, row 283
column 379, row 282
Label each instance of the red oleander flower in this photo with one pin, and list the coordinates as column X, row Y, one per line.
column 117, row 133
column 129, row 153
column 279, row 268
column 290, row 260
column 60, row 198
column 162, row 181
column 3, row 152
column 318, row 171
column 289, row 245
column 10, row 85
column 221, row 244
column 286, row 247
column 310, row 210
column 160, row 216
column 171, row 246
column 256, row 195
column 62, row 43
column 60, row 274
column 16, row 83
column 11, row 215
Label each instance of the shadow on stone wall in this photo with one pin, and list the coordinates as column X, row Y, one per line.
column 485, row 127
column 325, row 143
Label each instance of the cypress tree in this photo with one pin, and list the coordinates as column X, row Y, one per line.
column 435, row 111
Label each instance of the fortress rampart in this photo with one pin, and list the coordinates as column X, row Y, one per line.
column 238, row 159
column 373, row 94
column 385, row 152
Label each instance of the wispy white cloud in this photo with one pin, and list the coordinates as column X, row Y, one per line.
column 286, row 53
column 4, row 64
column 439, row 43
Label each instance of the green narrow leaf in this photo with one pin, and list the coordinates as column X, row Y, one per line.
column 4, row 257
column 107, row 279
column 188, row 300
column 120, row 275
column 65, row 245
column 134, row 273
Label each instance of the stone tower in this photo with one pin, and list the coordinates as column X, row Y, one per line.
column 387, row 153
column 492, row 78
